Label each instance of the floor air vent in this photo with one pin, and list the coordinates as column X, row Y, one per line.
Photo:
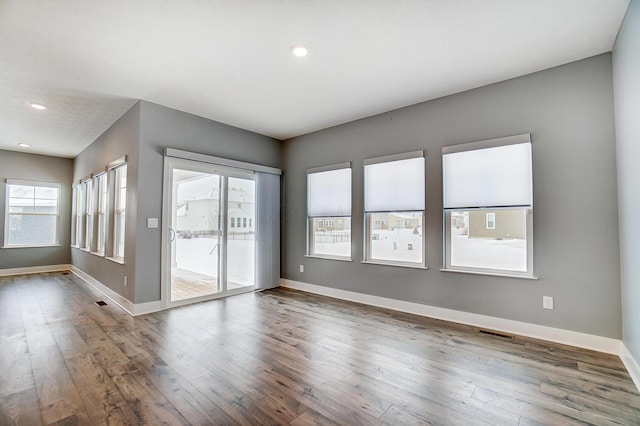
column 496, row 333
column 100, row 303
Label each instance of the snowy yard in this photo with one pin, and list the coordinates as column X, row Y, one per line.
column 394, row 245
column 509, row 255
column 195, row 254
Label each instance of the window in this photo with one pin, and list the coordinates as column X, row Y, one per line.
column 329, row 201
column 244, row 222
column 79, row 214
column 32, row 214
column 394, row 199
column 120, row 204
column 488, row 206
column 88, row 208
column 233, row 222
column 491, row 220
column 101, row 211
column 74, row 216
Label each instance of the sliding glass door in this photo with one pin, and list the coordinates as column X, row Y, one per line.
column 210, row 219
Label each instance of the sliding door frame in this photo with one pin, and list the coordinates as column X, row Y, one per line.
column 169, row 235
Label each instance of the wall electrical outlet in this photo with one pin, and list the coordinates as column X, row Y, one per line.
column 547, row 302
column 301, row 268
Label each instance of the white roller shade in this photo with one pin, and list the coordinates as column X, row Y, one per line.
column 329, row 193
column 394, row 185
column 499, row 176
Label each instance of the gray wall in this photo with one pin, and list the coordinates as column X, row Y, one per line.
column 17, row 165
column 164, row 127
column 569, row 112
column 120, row 139
column 626, row 67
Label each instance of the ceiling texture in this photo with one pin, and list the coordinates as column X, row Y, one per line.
column 89, row 61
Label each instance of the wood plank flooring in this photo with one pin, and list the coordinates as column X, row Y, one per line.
column 188, row 284
column 283, row 357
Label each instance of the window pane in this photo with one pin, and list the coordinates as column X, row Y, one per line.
column 101, row 233
column 20, row 208
column 102, row 193
column 32, row 230
column 118, row 249
column 475, row 245
column 46, row 192
column 21, row 191
column 45, row 206
column 332, row 238
column 396, row 236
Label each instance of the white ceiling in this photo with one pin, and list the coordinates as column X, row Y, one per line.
column 89, row 61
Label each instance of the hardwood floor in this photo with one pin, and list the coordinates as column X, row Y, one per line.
column 283, row 357
column 188, row 284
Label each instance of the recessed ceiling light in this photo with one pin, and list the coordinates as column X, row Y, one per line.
column 37, row 106
column 24, row 145
column 299, row 50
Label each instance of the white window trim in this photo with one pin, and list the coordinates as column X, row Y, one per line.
column 367, row 258
column 8, row 213
column 311, row 238
column 491, row 215
column 447, row 267
column 74, row 206
column 488, row 271
column 310, row 233
column 88, row 214
column 100, row 215
column 116, row 210
column 77, row 211
column 367, row 250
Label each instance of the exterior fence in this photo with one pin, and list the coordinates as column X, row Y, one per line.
column 331, row 237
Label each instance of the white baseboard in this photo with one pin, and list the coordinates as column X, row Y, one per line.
column 566, row 337
column 34, row 270
column 134, row 309
column 632, row 365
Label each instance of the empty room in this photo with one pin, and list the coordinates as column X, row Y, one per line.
column 319, row 213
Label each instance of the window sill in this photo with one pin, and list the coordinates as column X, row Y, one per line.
column 397, row 264
column 86, row 250
column 95, row 253
column 115, row 260
column 30, row 247
column 490, row 274
column 341, row 259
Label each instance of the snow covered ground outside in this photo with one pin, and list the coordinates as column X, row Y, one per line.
column 397, row 245
column 194, row 254
column 509, row 255
column 391, row 245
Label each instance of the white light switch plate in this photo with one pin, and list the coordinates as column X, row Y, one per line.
column 152, row 222
column 547, row 302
